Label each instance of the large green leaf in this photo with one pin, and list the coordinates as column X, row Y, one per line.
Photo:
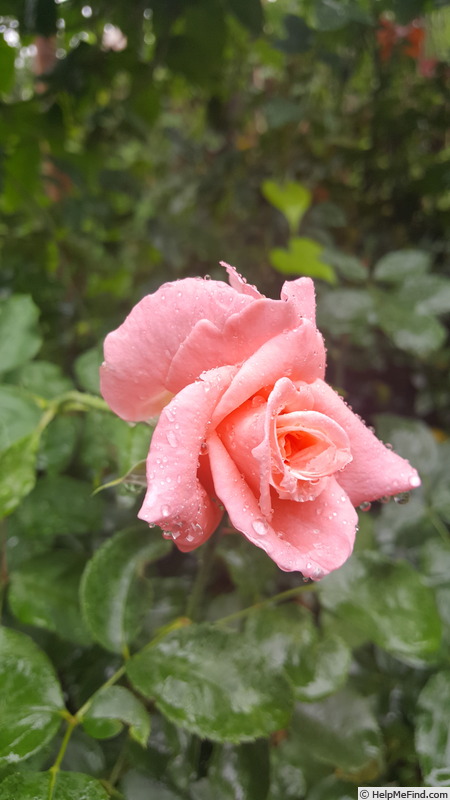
column 19, row 334
column 341, row 730
column 7, row 71
column 213, row 683
column 109, row 583
column 409, row 330
column 31, row 698
column 292, row 199
column 411, row 439
column 44, row 592
column 115, row 703
column 432, row 730
column 43, row 378
column 36, row 786
column 402, row 619
column 59, row 505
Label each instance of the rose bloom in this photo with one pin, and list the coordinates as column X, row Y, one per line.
column 246, row 421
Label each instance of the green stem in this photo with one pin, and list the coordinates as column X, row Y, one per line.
column 62, row 750
column 276, row 598
column 440, row 527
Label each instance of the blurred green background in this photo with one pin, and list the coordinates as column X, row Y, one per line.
column 143, row 141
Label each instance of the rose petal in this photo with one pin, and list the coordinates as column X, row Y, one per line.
column 298, row 354
column 301, row 294
column 239, row 283
column 313, row 537
column 208, row 347
column 375, row 471
column 138, row 355
column 176, row 500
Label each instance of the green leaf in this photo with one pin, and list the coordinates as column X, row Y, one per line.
column 432, row 730
column 250, row 568
column 400, row 264
column 117, row 703
column 249, row 13
column 59, row 505
column 140, row 786
column 43, row 378
column 44, row 592
column 19, row 415
column 347, row 312
column 236, row 772
column 105, row 603
column 212, row 683
column 349, row 267
column 7, row 71
column 58, row 443
column 19, row 333
column 341, row 730
column 302, row 258
column 402, row 619
column 36, row 786
column 86, row 369
column 18, row 472
column 427, row 294
column 292, row 199
column 411, row 439
column 286, row 636
column 110, row 444
column 31, row 698
column 418, row 334
column 332, row 15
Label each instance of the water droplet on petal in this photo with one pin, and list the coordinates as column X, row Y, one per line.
column 366, row 506
column 260, row 526
column 172, row 439
column 402, row 498
column 414, row 481
column 165, row 511
column 384, row 499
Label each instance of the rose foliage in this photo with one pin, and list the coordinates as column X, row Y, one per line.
column 247, row 422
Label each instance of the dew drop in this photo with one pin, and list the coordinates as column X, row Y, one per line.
column 389, row 446
column 165, row 511
column 402, row 498
column 414, row 481
column 384, row 499
column 172, row 439
column 366, row 506
column 260, row 526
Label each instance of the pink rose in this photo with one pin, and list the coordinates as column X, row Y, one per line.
column 246, row 421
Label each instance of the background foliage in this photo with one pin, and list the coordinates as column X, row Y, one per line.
column 143, row 142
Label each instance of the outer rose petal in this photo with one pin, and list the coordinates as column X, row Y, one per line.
column 374, row 471
column 176, row 499
column 138, row 355
column 313, row 537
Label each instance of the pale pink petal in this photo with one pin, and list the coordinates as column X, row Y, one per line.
column 301, row 294
column 298, row 354
column 313, row 537
column 138, row 355
column 176, row 500
column 375, row 471
column 239, row 283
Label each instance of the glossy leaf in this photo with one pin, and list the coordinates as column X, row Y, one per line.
column 60, row 505
column 419, row 334
column 19, row 414
column 341, row 730
column 212, row 683
column 432, row 730
column 237, row 772
column 43, row 378
column 105, row 602
column 44, row 592
column 118, row 704
column 18, row 473
column 402, row 619
column 31, row 698
column 19, row 335
column 36, row 786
